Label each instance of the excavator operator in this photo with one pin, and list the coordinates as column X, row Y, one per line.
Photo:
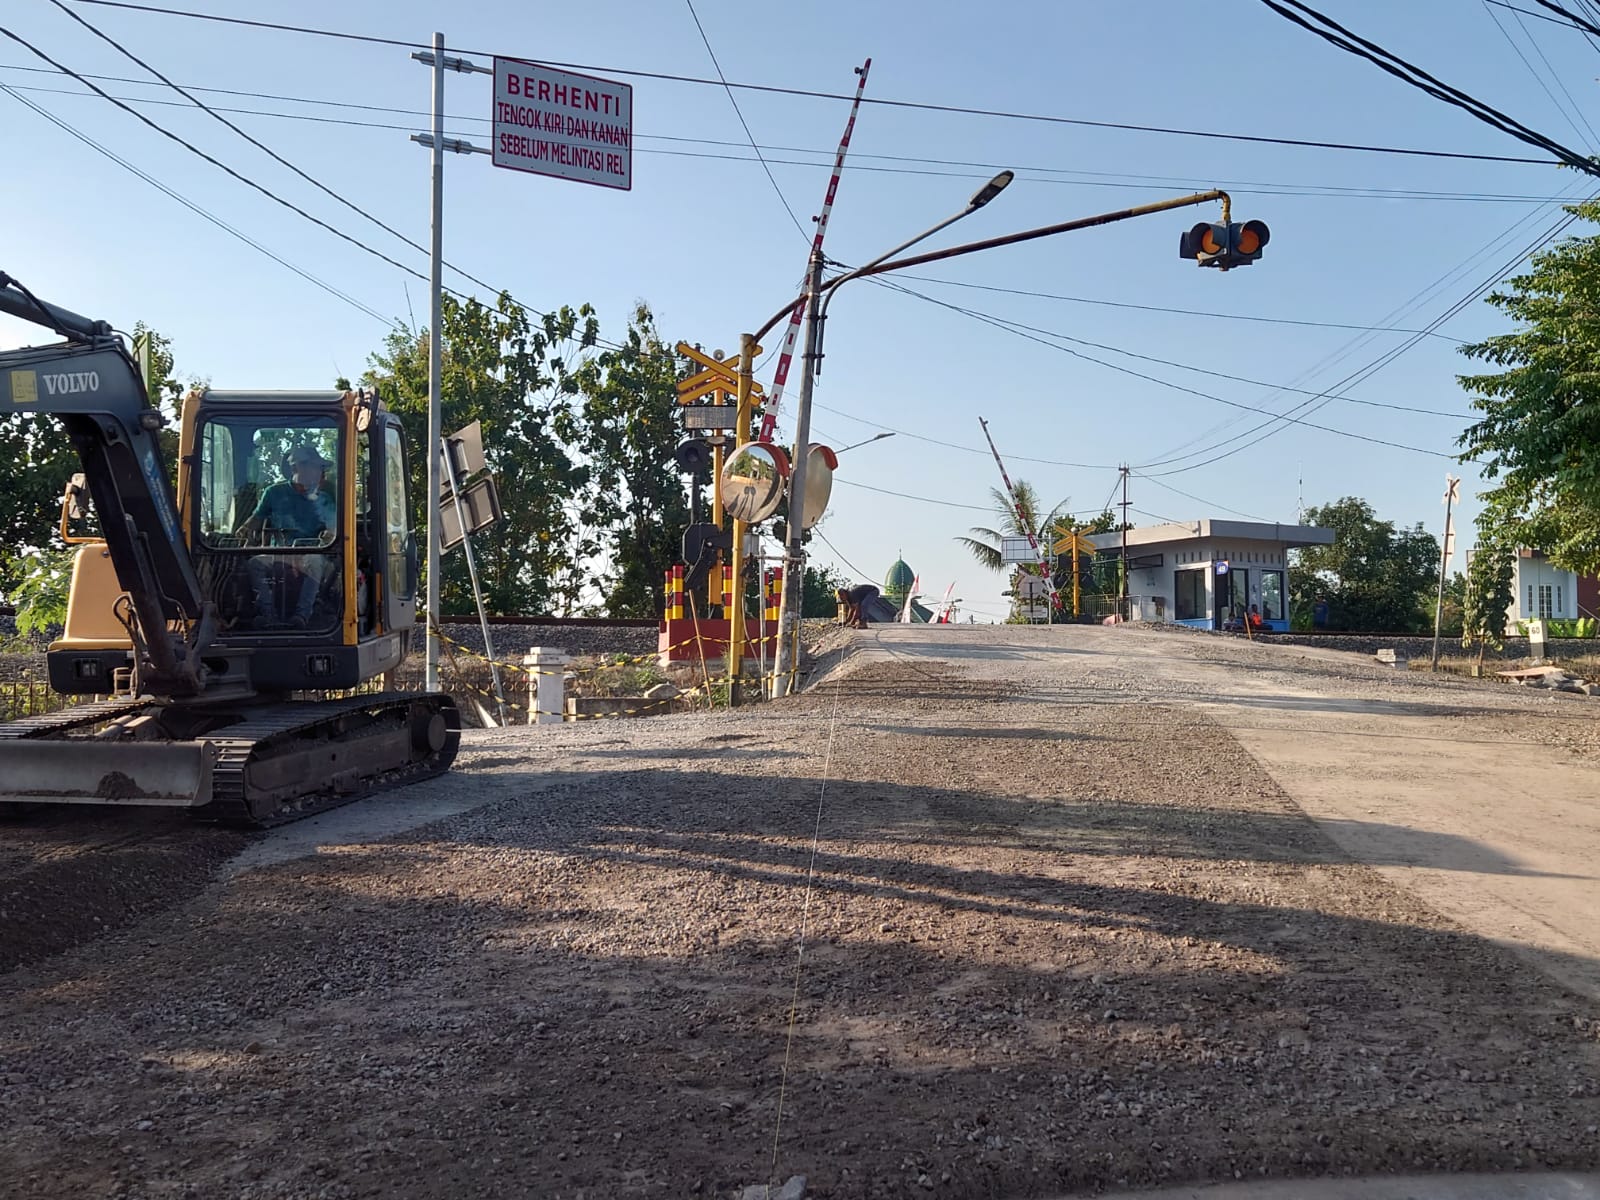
column 297, row 511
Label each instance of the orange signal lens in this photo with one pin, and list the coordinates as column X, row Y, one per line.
column 1249, row 241
column 1208, row 241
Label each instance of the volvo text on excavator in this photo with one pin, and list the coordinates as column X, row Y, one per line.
column 283, row 565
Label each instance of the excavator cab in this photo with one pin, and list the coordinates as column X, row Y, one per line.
column 294, row 508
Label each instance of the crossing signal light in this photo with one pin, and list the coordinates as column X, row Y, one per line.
column 1204, row 244
column 1246, row 242
column 1224, row 246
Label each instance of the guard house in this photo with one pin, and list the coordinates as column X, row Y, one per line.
column 1202, row 573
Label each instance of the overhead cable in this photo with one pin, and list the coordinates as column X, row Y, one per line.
column 808, row 93
column 196, row 208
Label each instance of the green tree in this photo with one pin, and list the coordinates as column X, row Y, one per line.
column 42, row 592
column 1490, row 571
column 819, row 593
column 1011, row 520
column 637, row 505
column 515, row 372
column 1018, row 520
column 1538, row 442
column 1455, row 604
column 36, row 460
column 1374, row 576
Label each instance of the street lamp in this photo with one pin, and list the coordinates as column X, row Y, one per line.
column 814, row 296
column 877, row 437
column 793, row 551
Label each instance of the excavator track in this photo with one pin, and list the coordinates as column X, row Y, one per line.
column 326, row 732
column 259, row 765
column 66, row 719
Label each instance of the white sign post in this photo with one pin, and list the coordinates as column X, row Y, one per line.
column 563, row 124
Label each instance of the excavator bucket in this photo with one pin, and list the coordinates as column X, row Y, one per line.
column 84, row 771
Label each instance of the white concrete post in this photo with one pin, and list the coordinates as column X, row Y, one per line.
column 547, row 685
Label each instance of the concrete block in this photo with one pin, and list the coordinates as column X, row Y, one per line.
column 547, row 684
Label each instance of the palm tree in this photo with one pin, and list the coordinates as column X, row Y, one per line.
column 985, row 543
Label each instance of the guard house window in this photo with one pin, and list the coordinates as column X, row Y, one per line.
column 1189, row 604
column 1546, row 610
column 1272, row 595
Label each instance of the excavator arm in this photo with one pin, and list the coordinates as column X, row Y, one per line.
column 92, row 385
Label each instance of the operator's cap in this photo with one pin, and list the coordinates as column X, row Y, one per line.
column 303, row 454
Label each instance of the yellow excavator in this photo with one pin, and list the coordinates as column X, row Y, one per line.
column 227, row 621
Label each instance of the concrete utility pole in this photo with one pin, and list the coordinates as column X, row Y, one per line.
column 1124, row 507
column 1452, row 486
column 789, row 612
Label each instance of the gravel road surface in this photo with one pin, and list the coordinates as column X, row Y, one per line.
column 987, row 912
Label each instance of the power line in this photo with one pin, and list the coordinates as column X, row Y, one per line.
column 733, row 100
column 1337, row 35
column 933, row 441
column 858, row 572
column 1383, row 360
column 1049, row 333
column 274, row 155
column 1186, row 312
column 1530, row 13
column 1537, row 49
column 200, row 104
column 982, row 170
column 773, row 89
column 196, row 208
column 999, row 324
column 1537, row 77
column 193, row 149
column 908, row 496
column 1577, row 21
column 1387, row 358
column 1198, row 499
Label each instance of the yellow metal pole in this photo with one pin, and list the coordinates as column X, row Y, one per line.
column 714, row 583
column 743, row 415
column 1074, row 574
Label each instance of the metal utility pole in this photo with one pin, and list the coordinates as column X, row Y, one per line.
column 435, row 368
column 1124, row 507
column 437, row 145
column 789, row 613
column 1452, row 490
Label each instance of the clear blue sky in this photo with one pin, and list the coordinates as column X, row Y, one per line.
column 704, row 239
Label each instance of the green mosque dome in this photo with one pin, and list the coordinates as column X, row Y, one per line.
column 899, row 580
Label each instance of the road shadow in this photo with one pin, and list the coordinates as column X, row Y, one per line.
column 1017, row 732
column 1017, row 996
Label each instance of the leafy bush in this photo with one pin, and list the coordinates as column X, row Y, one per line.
column 625, row 678
column 41, row 594
column 1564, row 627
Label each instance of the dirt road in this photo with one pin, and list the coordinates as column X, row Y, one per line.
column 1013, row 913
column 1466, row 794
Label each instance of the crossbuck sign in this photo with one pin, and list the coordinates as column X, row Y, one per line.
column 563, row 124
